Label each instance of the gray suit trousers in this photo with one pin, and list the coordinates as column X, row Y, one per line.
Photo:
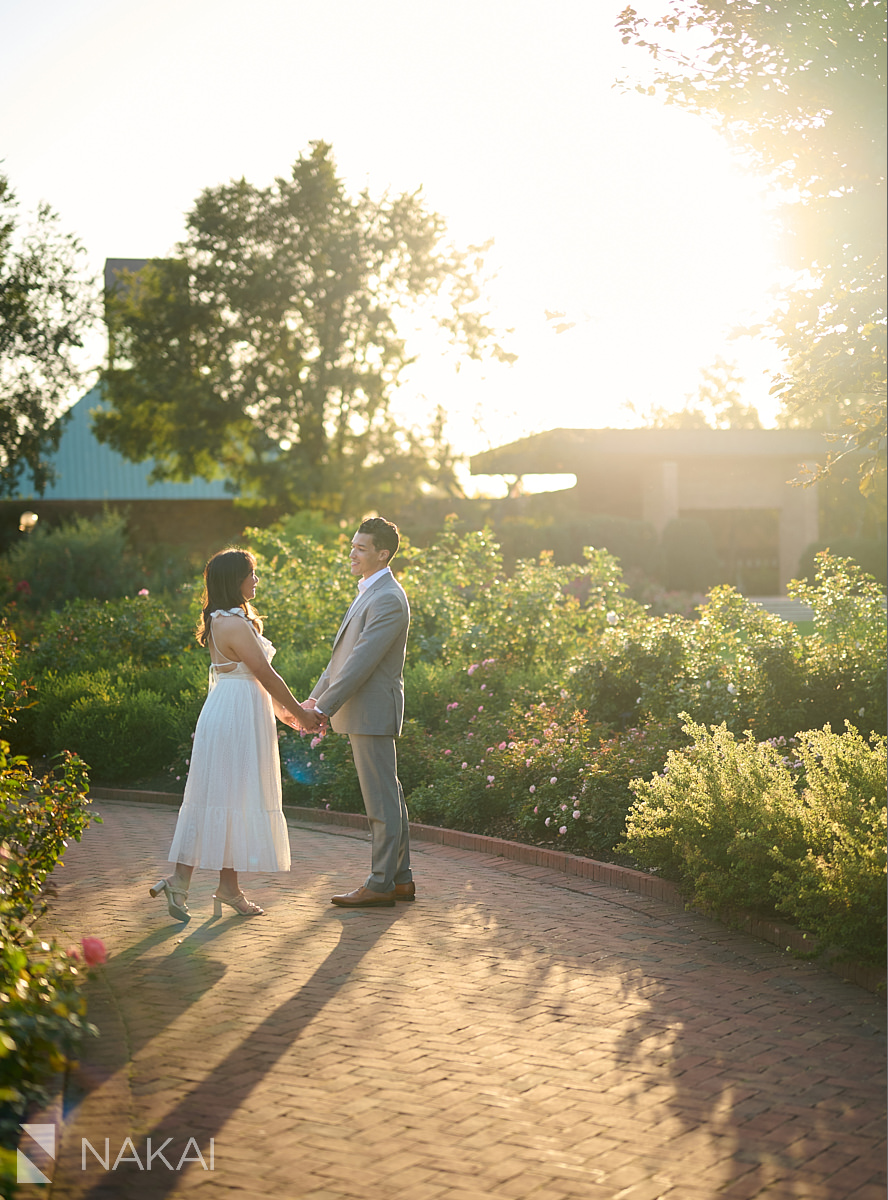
column 376, row 762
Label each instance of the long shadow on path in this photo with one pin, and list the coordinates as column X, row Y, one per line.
column 205, row 1110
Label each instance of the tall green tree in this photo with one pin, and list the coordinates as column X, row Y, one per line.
column 47, row 305
column 798, row 86
column 268, row 349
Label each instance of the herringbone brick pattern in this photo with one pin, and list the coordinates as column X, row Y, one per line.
column 514, row 1034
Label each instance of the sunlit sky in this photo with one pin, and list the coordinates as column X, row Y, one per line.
column 629, row 216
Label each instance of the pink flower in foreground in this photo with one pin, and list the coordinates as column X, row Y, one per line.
column 576, row 814
column 315, row 741
column 563, row 829
column 490, row 778
column 536, row 808
column 554, row 779
column 548, row 821
column 532, row 788
column 144, row 592
column 448, row 751
column 472, row 669
column 501, row 746
column 94, row 951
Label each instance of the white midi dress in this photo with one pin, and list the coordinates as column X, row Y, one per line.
column 231, row 813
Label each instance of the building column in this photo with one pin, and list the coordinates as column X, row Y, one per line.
column 799, row 527
column 660, row 497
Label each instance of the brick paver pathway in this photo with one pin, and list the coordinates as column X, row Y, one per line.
column 512, row 1034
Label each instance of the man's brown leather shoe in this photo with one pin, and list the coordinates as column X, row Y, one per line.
column 363, row 897
column 405, row 891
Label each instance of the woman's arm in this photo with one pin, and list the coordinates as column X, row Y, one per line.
column 237, row 640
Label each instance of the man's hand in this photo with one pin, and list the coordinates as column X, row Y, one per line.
column 324, row 720
column 311, row 722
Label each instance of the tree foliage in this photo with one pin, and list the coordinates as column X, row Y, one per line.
column 799, row 88
column 46, row 306
column 718, row 404
column 267, row 351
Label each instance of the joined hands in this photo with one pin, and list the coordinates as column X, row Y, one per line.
column 307, row 721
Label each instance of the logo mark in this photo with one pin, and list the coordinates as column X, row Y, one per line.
column 25, row 1170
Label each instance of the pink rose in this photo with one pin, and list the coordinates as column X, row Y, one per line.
column 94, row 951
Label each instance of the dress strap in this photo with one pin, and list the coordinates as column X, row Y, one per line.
column 223, row 662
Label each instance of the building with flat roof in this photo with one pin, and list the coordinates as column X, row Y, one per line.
column 657, row 475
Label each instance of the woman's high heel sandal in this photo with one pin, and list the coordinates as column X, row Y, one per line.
column 175, row 898
column 239, row 903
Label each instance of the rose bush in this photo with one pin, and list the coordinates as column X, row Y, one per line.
column 42, row 1012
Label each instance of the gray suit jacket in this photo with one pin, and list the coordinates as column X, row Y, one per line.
column 362, row 687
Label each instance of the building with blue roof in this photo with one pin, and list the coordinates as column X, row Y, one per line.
column 195, row 516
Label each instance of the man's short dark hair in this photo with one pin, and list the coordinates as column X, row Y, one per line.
column 384, row 533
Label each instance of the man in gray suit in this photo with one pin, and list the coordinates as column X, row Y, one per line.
column 362, row 693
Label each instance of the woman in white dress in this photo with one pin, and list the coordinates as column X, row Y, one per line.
column 231, row 817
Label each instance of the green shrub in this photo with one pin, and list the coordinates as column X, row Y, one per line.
column 868, row 552
column 87, row 635
column 305, row 587
column 592, row 820
column 56, row 693
column 87, row 557
column 837, row 889
column 712, row 817
column 41, row 1013
column 845, row 662
column 744, row 825
column 124, row 737
column 743, row 666
column 319, row 771
column 42, row 1020
column 465, row 608
column 37, row 818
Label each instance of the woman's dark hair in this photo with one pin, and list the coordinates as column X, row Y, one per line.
column 223, row 576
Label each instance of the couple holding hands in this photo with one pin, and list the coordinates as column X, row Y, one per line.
column 231, row 817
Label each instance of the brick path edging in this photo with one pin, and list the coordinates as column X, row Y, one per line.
column 777, row 933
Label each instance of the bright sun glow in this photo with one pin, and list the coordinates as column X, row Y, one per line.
column 627, row 217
